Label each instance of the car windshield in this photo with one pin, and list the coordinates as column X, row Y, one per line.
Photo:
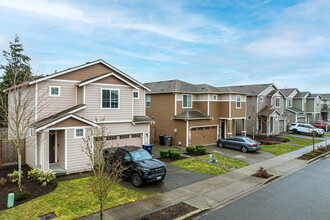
column 140, row 155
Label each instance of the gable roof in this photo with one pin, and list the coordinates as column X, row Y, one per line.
column 295, row 110
column 268, row 110
column 251, row 90
column 191, row 114
column 287, row 92
column 87, row 65
column 325, row 96
column 181, row 86
column 301, row 95
column 312, row 96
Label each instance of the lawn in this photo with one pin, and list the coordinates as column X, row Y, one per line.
column 279, row 149
column 226, row 161
column 301, row 141
column 71, row 200
column 200, row 166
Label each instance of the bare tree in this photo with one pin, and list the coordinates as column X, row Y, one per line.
column 254, row 118
column 107, row 172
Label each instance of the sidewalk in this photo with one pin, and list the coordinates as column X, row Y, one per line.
column 213, row 191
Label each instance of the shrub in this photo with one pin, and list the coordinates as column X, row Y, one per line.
column 163, row 153
column 322, row 149
column 199, row 146
column 14, row 176
column 175, row 155
column 22, row 196
column 2, row 182
column 201, row 150
column 172, row 150
column 42, row 176
column 262, row 173
column 190, row 149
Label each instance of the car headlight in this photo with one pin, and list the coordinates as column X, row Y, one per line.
column 145, row 169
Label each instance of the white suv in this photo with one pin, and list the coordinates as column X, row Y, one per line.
column 297, row 128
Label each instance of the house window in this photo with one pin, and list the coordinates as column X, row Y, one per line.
column 238, row 101
column 290, row 102
column 214, row 97
column 110, row 98
column 111, row 138
column 135, row 94
column 136, row 135
column 187, row 101
column 317, row 102
column 54, row 91
column 261, row 99
column 277, row 102
column 124, row 136
column 98, row 139
column 148, row 103
column 79, row 133
column 30, row 133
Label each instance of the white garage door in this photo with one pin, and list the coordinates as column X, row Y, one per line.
column 125, row 140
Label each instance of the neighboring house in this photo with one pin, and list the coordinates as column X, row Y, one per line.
column 195, row 114
column 325, row 111
column 300, row 102
column 265, row 108
column 78, row 98
column 293, row 113
column 310, row 104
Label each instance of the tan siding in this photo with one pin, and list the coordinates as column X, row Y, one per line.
column 93, row 104
column 235, row 113
column 139, row 104
column 111, row 80
column 223, row 107
column 30, row 149
column 61, row 148
column 80, row 95
column 70, row 122
column 201, row 106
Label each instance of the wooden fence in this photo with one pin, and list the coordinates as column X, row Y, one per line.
column 8, row 153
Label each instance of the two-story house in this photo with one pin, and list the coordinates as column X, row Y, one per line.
column 79, row 98
column 195, row 114
column 325, row 111
column 293, row 113
column 310, row 104
column 265, row 108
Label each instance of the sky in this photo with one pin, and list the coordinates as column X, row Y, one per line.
column 224, row 42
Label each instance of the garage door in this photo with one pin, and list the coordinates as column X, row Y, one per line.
column 125, row 140
column 203, row 135
column 301, row 119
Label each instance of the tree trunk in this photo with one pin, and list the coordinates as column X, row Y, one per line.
column 101, row 211
column 19, row 169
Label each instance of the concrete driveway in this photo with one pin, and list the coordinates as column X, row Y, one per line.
column 250, row 157
column 176, row 177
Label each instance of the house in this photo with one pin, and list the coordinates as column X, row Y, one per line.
column 310, row 104
column 325, row 111
column 265, row 108
column 194, row 114
column 79, row 98
column 293, row 110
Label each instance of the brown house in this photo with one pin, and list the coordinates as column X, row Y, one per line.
column 194, row 114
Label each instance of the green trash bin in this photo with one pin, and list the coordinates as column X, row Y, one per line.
column 11, row 197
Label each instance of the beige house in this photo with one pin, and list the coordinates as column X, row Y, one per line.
column 75, row 100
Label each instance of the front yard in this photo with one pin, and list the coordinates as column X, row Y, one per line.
column 226, row 161
column 70, row 200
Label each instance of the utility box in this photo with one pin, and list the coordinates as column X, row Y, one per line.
column 11, row 198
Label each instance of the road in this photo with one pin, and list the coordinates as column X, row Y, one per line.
column 301, row 195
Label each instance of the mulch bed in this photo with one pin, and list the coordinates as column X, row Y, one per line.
column 170, row 212
column 262, row 177
column 263, row 139
column 33, row 187
column 317, row 153
column 169, row 160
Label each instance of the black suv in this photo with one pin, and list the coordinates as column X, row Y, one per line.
column 141, row 166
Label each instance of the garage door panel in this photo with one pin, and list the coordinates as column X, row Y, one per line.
column 203, row 135
column 125, row 140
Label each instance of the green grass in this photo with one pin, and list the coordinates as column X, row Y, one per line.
column 279, row 149
column 200, row 166
column 226, row 161
column 301, row 141
column 70, row 200
column 314, row 154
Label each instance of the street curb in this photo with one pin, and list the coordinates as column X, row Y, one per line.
column 271, row 179
column 191, row 214
column 318, row 157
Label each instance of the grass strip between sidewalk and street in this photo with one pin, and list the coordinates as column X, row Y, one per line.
column 300, row 141
column 226, row 161
column 279, row 149
column 198, row 166
column 70, row 200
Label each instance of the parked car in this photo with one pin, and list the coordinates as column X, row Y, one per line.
column 242, row 143
column 321, row 124
column 302, row 128
column 141, row 166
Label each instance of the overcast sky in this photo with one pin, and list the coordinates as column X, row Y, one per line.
column 224, row 42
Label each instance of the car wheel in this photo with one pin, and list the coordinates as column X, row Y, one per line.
column 295, row 131
column 221, row 145
column 244, row 149
column 137, row 180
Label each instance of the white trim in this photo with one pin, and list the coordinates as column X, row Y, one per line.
column 203, row 126
column 127, row 133
column 101, row 107
column 66, row 149
column 56, row 146
column 279, row 103
column 59, row 91
column 143, row 137
column 110, row 122
column 243, row 131
column 76, row 110
column 148, row 134
column 94, row 79
column 240, row 102
column 76, row 95
column 187, row 101
column 187, row 133
column 87, row 65
column 138, row 92
column 267, row 88
column 175, row 104
column 36, row 104
column 110, row 85
column 63, row 80
column 75, row 133
column 208, row 104
column 63, row 128
column 133, row 107
column 229, row 105
column 84, row 97
column 205, row 100
column 232, row 118
column 36, row 149
column 30, row 132
column 230, row 133
column 146, row 101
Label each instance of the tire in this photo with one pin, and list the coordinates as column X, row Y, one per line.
column 244, row 149
column 221, row 145
column 137, row 180
column 295, row 131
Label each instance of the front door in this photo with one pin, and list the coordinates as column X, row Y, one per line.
column 223, row 128
column 51, row 146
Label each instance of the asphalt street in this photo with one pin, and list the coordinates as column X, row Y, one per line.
column 304, row 194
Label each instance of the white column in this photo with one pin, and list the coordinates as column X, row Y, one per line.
column 45, row 150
